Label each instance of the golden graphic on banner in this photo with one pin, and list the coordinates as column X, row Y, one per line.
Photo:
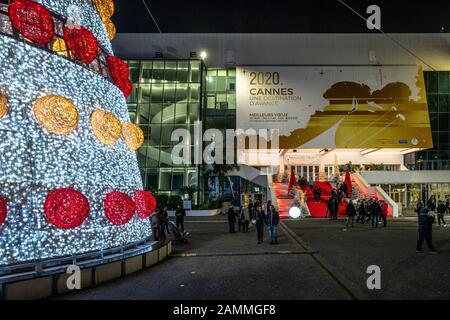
column 336, row 107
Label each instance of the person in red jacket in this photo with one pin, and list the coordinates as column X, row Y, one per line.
column 384, row 212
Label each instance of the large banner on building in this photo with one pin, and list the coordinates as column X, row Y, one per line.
column 336, row 107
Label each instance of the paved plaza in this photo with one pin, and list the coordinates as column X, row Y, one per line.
column 315, row 259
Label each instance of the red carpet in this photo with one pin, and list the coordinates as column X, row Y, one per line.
column 319, row 210
column 283, row 199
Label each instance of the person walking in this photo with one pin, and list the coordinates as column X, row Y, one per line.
column 260, row 219
column 384, row 212
column 351, row 213
column 231, row 219
column 425, row 229
column 272, row 221
column 179, row 217
column 375, row 211
column 441, row 211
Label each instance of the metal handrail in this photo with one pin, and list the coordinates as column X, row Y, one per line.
column 39, row 268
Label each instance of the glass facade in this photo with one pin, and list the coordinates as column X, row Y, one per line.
column 167, row 95
column 173, row 94
column 438, row 94
column 407, row 195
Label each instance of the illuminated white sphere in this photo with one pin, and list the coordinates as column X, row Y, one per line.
column 295, row 212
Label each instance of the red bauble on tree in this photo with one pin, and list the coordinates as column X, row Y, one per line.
column 145, row 203
column 120, row 74
column 3, row 209
column 119, row 208
column 66, row 208
column 32, row 20
column 82, row 43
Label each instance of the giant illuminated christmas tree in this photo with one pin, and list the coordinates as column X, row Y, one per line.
column 69, row 179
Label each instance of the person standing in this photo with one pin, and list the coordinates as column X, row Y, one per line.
column 154, row 224
column 161, row 225
column 431, row 204
column 441, row 211
column 425, row 229
column 384, row 212
column 272, row 220
column 375, row 210
column 240, row 220
column 330, row 208
column 361, row 212
column 311, row 184
column 260, row 219
column 166, row 219
column 179, row 217
column 244, row 218
column 232, row 219
column 351, row 213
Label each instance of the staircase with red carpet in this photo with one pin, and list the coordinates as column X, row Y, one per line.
column 319, row 210
column 284, row 201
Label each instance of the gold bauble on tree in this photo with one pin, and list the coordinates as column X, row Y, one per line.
column 56, row 114
column 110, row 28
column 105, row 8
column 132, row 135
column 3, row 105
column 106, row 127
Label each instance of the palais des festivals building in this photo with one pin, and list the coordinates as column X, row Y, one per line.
column 336, row 98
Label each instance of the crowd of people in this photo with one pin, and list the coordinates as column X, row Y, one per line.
column 370, row 210
column 159, row 221
column 255, row 214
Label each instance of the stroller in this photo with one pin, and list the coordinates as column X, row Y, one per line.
column 180, row 236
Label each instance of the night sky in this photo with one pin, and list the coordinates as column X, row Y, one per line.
column 263, row 16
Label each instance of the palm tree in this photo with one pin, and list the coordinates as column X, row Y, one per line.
column 220, row 171
column 189, row 190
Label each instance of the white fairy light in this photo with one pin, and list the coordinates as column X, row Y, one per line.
column 33, row 161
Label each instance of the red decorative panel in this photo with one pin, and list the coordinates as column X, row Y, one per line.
column 32, row 20
column 120, row 74
column 119, row 207
column 82, row 43
column 3, row 209
column 145, row 203
column 66, row 208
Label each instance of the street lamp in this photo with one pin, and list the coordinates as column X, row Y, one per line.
column 203, row 55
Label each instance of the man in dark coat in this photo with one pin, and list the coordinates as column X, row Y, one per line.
column 331, row 208
column 232, row 219
column 272, row 220
column 351, row 213
column 441, row 211
column 179, row 217
column 425, row 229
column 375, row 211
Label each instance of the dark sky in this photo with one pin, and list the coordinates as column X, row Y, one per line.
column 263, row 16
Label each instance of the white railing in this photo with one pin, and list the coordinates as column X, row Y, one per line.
column 377, row 192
